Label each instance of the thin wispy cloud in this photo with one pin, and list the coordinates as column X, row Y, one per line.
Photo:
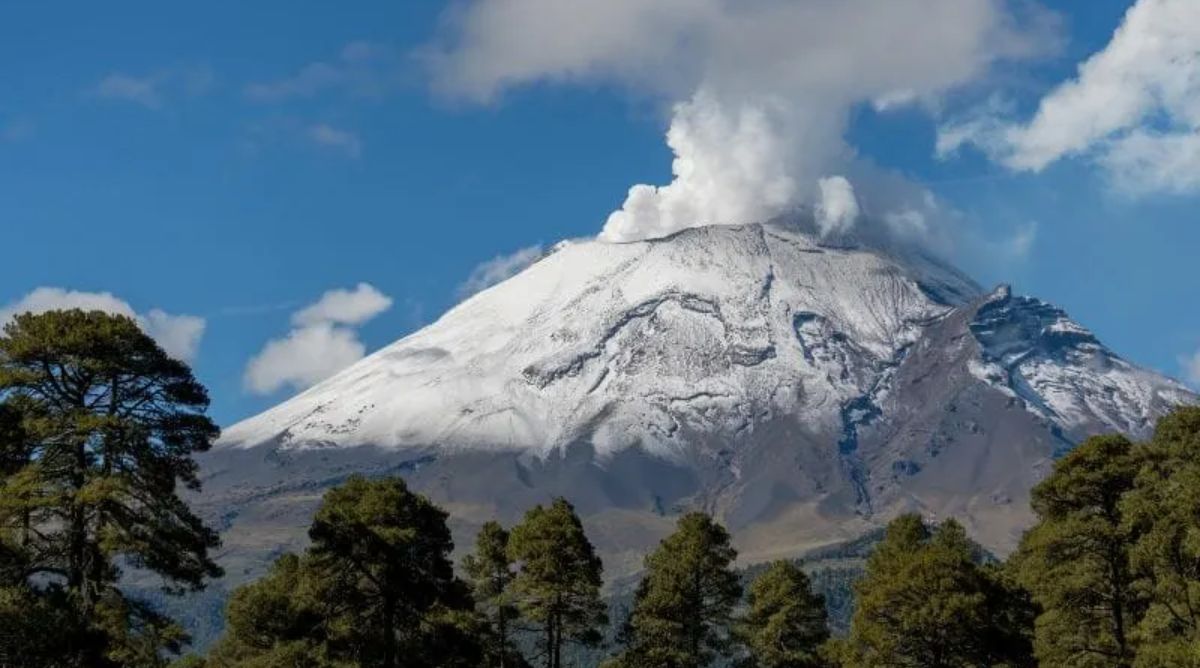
column 16, row 129
column 361, row 68
column 1018, row 246
column 291, row 132
column 153, row 90
column 128, row 88
column 335, row 139
column 1191, row 368
column 498, row 269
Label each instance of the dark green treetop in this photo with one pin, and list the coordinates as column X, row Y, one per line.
column 925, row 602
column 1075, row 561
column 1162, row 515
column 784, row 625
column 98, row 427
column 557, row 587
column 683, row 609
column 490, row 573
column 376, row 588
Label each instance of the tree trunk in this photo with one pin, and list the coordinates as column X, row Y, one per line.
column 558, row 642
column 1116, row 572
column 389, row 632
column 502, row 630
column 78, row 568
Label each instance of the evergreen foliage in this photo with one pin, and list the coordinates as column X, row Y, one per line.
column 376, row 588
column 683, row 609
column 1076, row 560
column 98, row 427
column 491, row 572
column 557, row 588
column 785, row 625
column 926, row 602
column 1162, row 515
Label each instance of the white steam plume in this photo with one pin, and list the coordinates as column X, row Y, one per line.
column 760, row 90
column 837, row 208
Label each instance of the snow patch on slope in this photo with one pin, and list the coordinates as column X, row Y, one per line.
column 628, row 344
column 1032, row 350
column 713, row 330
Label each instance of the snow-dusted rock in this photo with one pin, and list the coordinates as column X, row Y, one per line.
column 803, row 392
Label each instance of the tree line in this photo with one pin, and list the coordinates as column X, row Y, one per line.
column 98, row 429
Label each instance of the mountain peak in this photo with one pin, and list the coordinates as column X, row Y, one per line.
column 720, row 321
column 712, row 328
column 802, row 391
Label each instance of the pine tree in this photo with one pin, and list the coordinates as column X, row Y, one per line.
column 924, row 602
column 683, row 610
column 384, row 555
column 376, row 588
column 785, row 624
column 285, row 618
column 557, row 588
column 1076, row 560
column 491, row 573
column 1163, row 512
column 99, row 429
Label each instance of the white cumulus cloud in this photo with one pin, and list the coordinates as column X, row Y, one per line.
column 760, row 92
column 344, row 307
column 1134, row 106
column 498, row 269
column 323, row 341
column 303, row 358
column 178, row 335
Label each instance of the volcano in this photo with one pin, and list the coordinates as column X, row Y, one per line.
column 803, row 391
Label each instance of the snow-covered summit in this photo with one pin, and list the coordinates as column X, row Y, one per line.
column 711, row 330
column 1034, row 351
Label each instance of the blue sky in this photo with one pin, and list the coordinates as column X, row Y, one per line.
column 183, row 158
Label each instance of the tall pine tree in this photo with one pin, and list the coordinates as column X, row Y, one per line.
column 1076, row 560
column 384, row 553
column 785, row 624
column 557, row 588
column 376, row 588
column 286, row 618
column 925, row 602
column 99, row 431
column 683, row 610
column 1163, row 512
column 491, row 572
